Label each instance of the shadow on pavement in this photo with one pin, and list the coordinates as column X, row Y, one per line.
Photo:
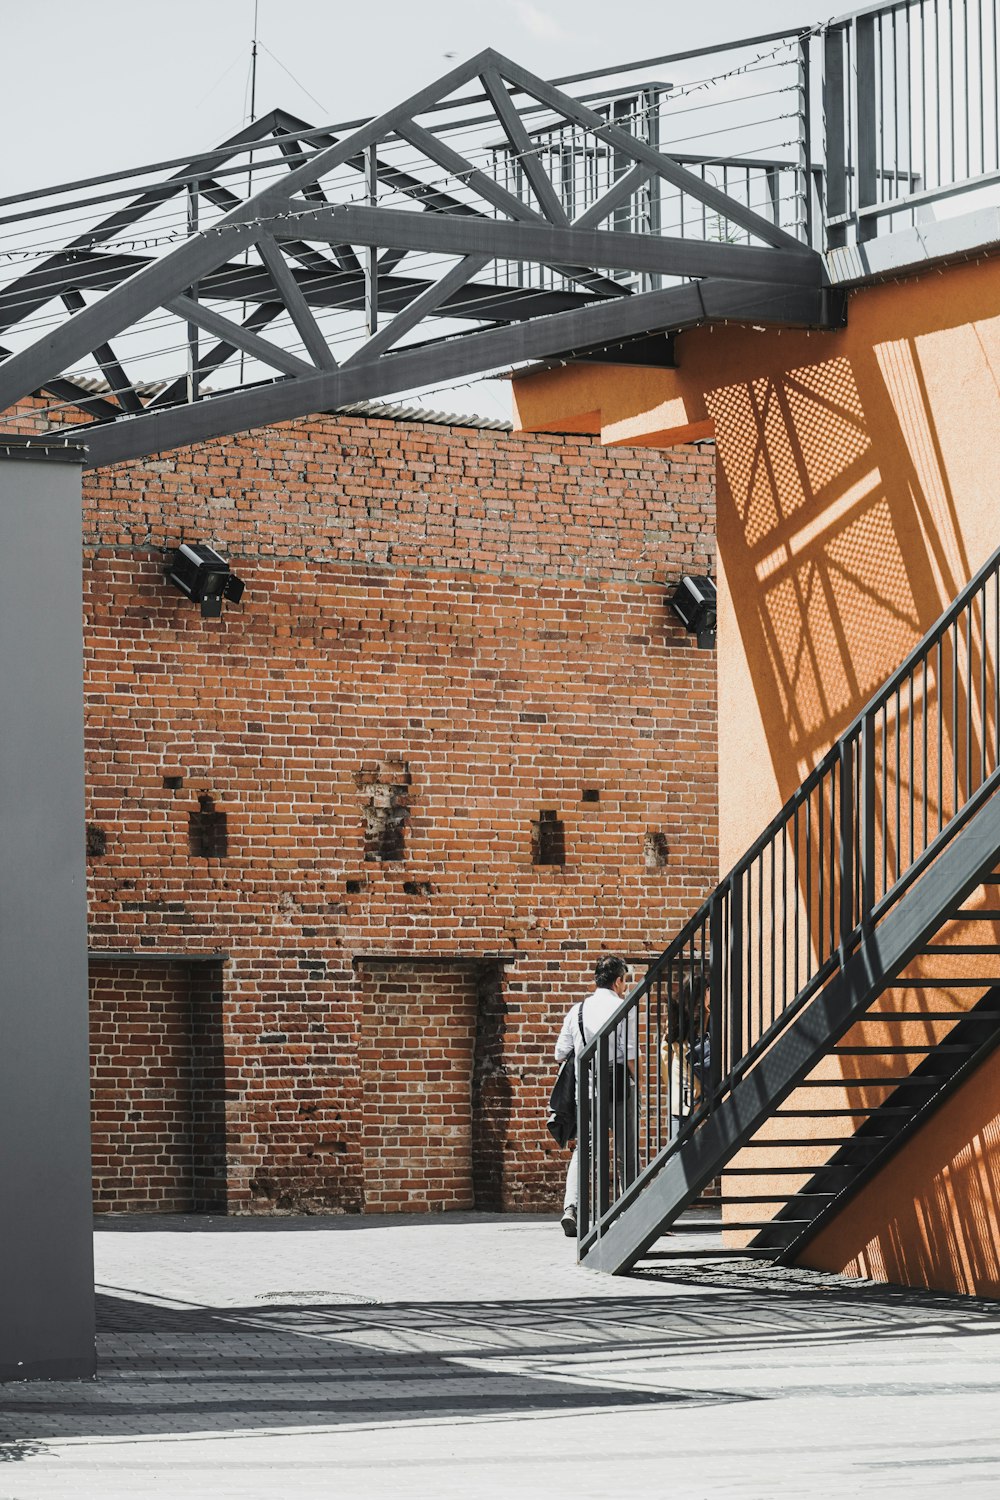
column 171, row 1370
column 183, row 1370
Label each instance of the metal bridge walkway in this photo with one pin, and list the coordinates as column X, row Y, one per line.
column 489, row 220
column 495, row 219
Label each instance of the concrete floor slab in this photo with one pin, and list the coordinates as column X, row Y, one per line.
column 467, row 1355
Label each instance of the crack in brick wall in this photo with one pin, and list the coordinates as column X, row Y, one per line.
column 386, row 811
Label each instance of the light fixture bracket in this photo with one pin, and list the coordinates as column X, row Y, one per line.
column 205, row 577
column 693, row 601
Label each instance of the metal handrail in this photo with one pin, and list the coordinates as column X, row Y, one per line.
column 870, row 818
column 910, row 119
column 887, row 65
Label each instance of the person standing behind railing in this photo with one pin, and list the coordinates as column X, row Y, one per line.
column 580, row 1025
column 685, row 1050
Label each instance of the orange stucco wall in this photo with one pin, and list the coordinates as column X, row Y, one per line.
column 931, row 1220
column 858, row 490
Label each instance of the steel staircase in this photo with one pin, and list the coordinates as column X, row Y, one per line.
column 835, row 989
column 909, row 1100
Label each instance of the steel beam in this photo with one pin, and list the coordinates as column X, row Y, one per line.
column 638, row 151
column 524, row 148
column 295, row 303
column 290, row 212
column 604, row 322
column 83, row 272
column 233, row 333
column 625, row 188
column 436, row 149
column 126, row 304
column 75, row 255
column 77, row 395
column 216, row 356
column 118, row 382
column 428, row 302
column 331, row 288
column 549, row 243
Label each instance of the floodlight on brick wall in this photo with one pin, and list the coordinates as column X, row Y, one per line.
column 205, row 577
column 693, row 602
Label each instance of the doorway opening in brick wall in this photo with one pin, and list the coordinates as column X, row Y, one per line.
column 157, row 1085
column 435, row 1096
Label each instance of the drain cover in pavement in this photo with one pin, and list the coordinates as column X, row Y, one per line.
column 345, row 1299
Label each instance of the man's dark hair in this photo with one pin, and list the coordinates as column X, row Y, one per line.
column 608, row 969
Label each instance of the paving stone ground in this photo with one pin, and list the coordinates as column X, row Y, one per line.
column 467, row 1355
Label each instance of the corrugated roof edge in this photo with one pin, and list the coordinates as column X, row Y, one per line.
column 395, row 411
column 398, row 412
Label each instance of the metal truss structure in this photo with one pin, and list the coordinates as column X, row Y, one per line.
column 405, row 253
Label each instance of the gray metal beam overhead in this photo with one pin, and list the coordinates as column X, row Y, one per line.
column 317, row 242
column 549, row 243
column 607, row 322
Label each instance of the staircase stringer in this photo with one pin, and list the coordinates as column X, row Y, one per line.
column 949, row 1086
column 666, row 1189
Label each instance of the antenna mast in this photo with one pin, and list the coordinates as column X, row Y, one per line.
column 253, row 64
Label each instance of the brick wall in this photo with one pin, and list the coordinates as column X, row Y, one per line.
column 453, row 658
column 156, row 1086
column 416, row 1039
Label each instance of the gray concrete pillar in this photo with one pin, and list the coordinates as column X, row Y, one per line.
column 46, row 1239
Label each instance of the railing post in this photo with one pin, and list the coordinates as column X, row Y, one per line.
column 371, row 251
column 654, row 187
column 867, row 123
column 584, row 1141
column 193, row 331
column 835, row 135
column 805, row 142
column 715, row 998
column 845, row 852
column 867, row 818
column 600, row 1134
column 735, row 969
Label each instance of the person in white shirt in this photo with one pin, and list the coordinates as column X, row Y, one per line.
column 581, row 1024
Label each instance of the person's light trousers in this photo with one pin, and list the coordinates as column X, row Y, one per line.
column 626, row 1160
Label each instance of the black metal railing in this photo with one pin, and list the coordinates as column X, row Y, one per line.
column 870, row 819
column 910, row 114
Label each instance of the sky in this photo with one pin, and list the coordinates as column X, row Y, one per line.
column 114, row 84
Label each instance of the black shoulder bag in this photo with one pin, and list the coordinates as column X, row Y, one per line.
column 562, row 1101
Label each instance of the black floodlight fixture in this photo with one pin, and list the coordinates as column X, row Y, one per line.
column 205, row 577
column 693, row 602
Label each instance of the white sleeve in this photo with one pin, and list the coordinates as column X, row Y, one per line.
column 566, row 1045
column 630, row 1034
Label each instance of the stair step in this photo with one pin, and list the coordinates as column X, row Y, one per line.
column 799, row 1197
column 899, row 1051
column 774, row 1232
column 936, row 948
column 963, row 982
column 978, row 914
column 771, row 1171
column 774, row 1171
column 718, row 1225
column 845, row 1111
column 866, row 1083
column 932, row 1015
column 837, row 1140
column 721, row 1252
